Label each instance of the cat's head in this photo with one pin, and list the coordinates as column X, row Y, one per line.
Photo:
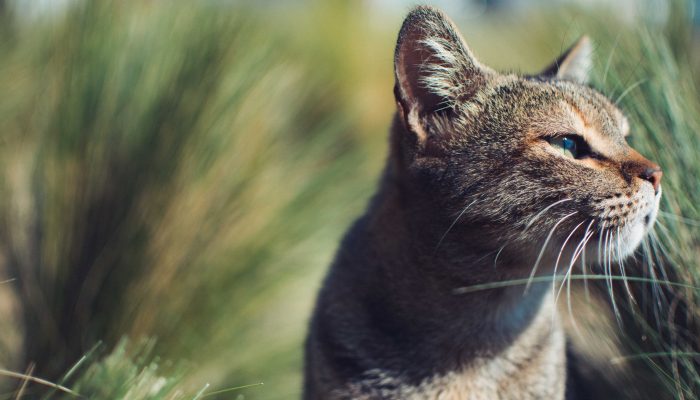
column 512, row 162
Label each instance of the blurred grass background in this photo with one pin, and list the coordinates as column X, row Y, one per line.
column 179, row 174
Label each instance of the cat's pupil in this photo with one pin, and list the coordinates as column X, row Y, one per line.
column 569, row 145
column 566, row 144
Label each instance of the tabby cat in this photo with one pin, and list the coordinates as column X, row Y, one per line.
column 491, row 177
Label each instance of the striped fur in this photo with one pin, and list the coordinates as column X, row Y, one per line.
column 474, row 192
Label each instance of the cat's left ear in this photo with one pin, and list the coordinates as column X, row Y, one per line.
column 574, row 64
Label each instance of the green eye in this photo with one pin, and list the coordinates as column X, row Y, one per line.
column 568, row 145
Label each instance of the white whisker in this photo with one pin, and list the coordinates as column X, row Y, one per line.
column 657, row 295
column 621, row 266
column 544, row 246
column 607, row 270
column 567, row 278
column 587, row 234
column 453, row 224
column 561, row 250
column 686, row 220
column 539, row 214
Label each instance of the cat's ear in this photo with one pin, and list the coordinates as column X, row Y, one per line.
column 574, row 64
column 433, row 66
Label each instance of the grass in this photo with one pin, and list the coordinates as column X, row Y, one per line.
column 174, row 181
column 180, row 175
column 651, row 76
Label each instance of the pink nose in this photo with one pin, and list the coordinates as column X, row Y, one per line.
column 653, row 175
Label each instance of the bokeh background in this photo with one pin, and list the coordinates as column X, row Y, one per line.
column 175, row 175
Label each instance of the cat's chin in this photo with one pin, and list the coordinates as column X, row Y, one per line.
column 631, row 237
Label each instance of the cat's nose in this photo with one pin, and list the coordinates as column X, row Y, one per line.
column 652, row 174
column 640, row 167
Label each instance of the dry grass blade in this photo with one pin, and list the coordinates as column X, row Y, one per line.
column 29, row 378
column 23, row 387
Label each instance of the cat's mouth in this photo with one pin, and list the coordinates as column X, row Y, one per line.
column 622, row 231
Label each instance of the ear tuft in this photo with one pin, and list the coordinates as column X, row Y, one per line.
column 574, row 64
column 432, row 64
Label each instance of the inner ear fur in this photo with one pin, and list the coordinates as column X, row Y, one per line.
column 434, row 68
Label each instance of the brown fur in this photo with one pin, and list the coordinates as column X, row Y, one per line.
column 472, row 193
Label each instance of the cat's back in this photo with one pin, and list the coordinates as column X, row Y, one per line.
column 335, row 327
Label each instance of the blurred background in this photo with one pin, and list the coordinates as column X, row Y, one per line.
column 176, row 175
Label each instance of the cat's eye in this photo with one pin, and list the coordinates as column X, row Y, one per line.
column 570, row 145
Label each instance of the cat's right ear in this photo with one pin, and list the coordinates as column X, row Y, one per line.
column 433, row 67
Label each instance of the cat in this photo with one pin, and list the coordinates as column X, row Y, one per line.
column 491, row 177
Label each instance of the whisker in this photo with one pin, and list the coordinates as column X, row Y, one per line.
column 607, row 270
column 584, row 264
column 656, row 289
column 577, row 251
column 567, row 278
column 539, row 214
column 601, row 233
column 544, row 246
column 584, row 272
column 495, row 259
column 686, row 220
column 659, row 247
column 621, row 267
column 561, row 250
column 529, row 224
column 453, row 224
column 664, row 230
column 663, row 302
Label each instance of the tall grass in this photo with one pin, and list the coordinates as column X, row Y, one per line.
column 182, row 172
column 176, row 173
column 651, row 75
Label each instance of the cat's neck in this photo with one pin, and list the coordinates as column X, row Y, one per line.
column 418, row 289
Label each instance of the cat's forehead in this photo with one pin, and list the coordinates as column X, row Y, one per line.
column 593, row 110
column 555, row 107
